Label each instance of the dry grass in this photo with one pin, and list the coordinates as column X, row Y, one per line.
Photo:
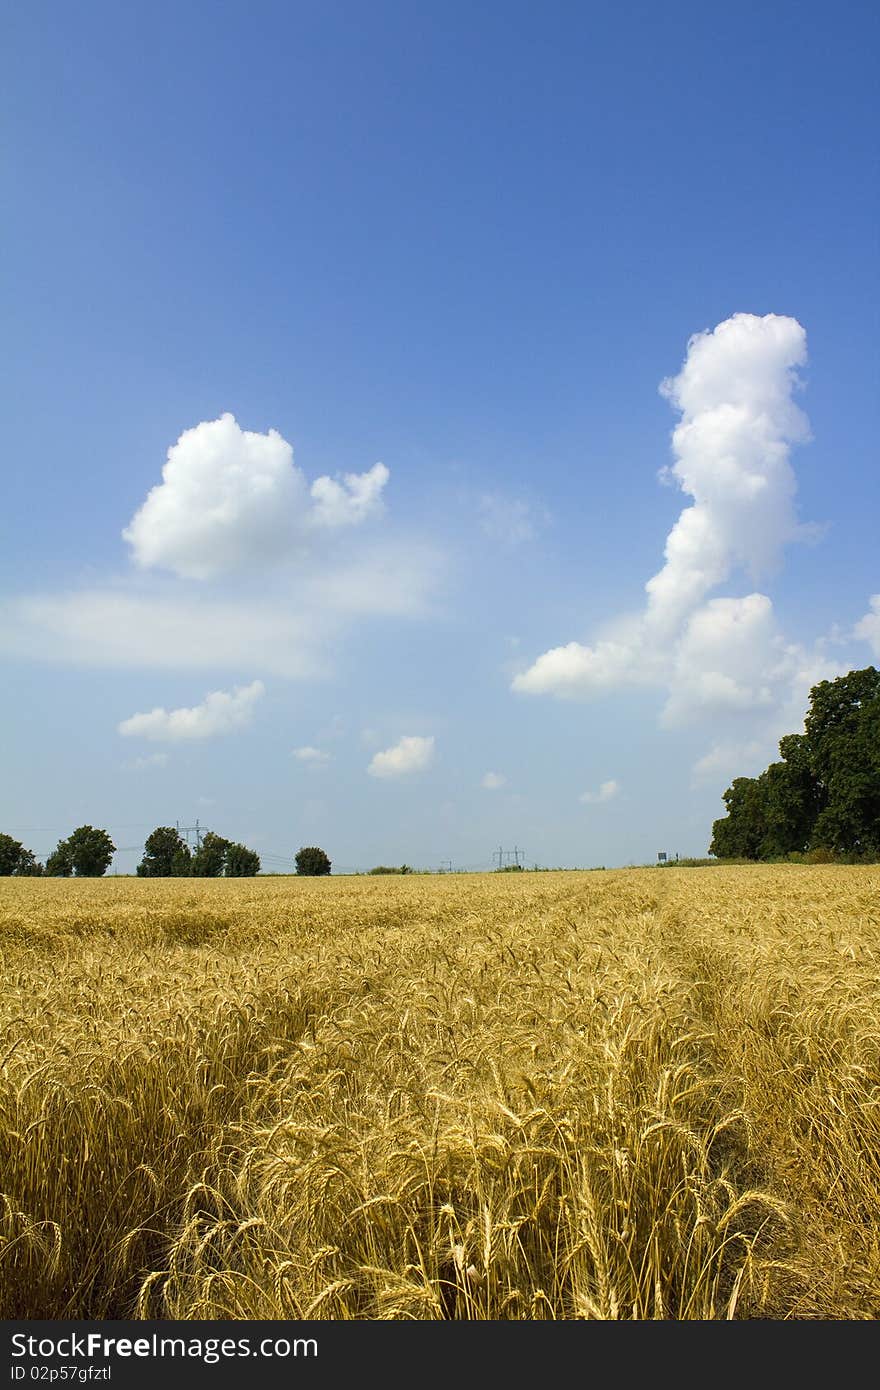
column 622, row 1095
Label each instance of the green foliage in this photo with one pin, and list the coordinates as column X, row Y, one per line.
column 825, row 793
column 843, row 734
column 241, row 862
column 86, row 853
column 209, row 859
column 311, row 861
column 15, row 859
column 91, row 851
column 689, row 863
column 60, row 861
column 166, row 855
column 387, row 869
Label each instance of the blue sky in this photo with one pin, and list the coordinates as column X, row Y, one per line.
column 270, row 247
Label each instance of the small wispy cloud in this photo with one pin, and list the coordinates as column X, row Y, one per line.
column 299, row 637
column 607, row 792
column 412, row 754
column 219, row 713
column 493, row 781
column 310, row 755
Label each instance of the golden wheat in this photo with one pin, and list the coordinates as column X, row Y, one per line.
column 635, row 1094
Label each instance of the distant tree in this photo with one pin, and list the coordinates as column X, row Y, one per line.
column 311, row 861
column 166, row 855
column 241, row 862
column 15, row 859
column 90, row 851
column 210, row 857
column 60, row 861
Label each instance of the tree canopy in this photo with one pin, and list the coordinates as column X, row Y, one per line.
column 15, row 859
column 824, row 794
column 86, row 852
column 166, row 854
column 241, row 862
column 209, row 859
column 311, row 861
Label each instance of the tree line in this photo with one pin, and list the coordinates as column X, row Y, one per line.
column 87, row 852
column 823, row 796
column 167, row 855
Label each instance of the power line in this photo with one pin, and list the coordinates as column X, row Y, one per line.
column 50, row 829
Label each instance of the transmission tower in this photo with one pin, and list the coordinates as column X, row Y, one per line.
column 509, row 858
column 187, row 830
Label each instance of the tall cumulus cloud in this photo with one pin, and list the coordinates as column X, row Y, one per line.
column 731, row 456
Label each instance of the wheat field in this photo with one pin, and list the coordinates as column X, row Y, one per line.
column 619, row 1095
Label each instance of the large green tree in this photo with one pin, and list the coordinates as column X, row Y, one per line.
column 740, row 834
column 166, row 854
column 86, row 853
column 90, row 851
column 842, row 731
column 209, row 859
column 241, row 862
column 60, row 861
column 15, row 859
column 311, row 861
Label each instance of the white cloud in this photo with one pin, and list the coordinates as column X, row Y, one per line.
column 411, row 754
column 232, row 499
column 744, row 752
column 493, row 780
column 867, row 629
column 730, row 759
column 308, row 754
column 720, row 658
column 350, row 502
column 607, row 792
column 731, row 450
column 730, row 657
column 574, row 670
column 219, row 713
